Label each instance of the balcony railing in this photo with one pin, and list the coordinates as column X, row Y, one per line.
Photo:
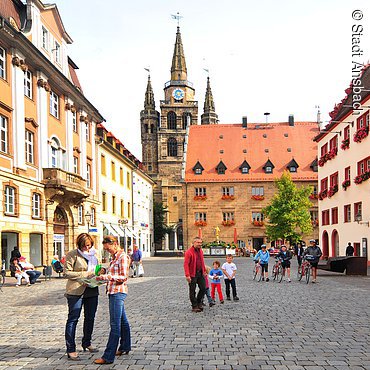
column 56, row 177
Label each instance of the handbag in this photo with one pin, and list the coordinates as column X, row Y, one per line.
column 140, row 270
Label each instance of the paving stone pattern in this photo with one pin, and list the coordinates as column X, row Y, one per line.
column 282, row 326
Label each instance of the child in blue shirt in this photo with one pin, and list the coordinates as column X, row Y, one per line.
column 216, row 274
column 263, row 257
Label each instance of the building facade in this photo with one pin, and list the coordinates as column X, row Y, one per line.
column 229, row 177
column 47, row 151
column 344, row 170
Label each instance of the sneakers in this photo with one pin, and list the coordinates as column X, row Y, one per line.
column 263, row 279
column 313, row 281
column 289, row 281
column 196, row 309
column 29, row 284
column 222, row 302
column 212, row 304
column 236, row 298
column 228, row 298
column 17, row 285
column 267, row 279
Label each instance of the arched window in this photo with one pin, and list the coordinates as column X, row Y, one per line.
column 55, row 153
column 171, row 121
column 172, row 147
column 186, row 120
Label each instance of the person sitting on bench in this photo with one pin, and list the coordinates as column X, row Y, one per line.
column 29, row 268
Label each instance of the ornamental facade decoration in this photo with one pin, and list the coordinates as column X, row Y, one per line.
column 360, row 134
column 43, row 84
column 328, row 156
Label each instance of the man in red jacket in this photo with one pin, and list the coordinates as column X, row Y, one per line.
column 195, row 271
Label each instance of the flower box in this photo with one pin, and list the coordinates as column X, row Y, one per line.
column 313, row 196
column 323, row 194
column 345, row 184
column 258, row 223
column 200, row 197
column 257, row 197
column 332, row 190
column 228, row 197
column 363, row 177
column 228, row 223
column 345, row 144
column 315, row 223
column 200, row 223
column 360, row 134
column 328, row 156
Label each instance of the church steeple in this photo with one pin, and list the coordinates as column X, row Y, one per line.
column 209, row 115
column 178, row 68
column 149, row 96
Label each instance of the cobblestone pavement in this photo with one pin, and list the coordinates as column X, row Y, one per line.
column 273, row 326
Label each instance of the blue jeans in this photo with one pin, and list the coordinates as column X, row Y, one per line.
column 119, row 327
column 34, row 275
column 75, row 304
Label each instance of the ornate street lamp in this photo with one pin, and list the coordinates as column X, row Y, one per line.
column 88, row 219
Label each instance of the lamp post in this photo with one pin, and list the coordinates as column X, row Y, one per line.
column 124, row 222
column 88, row 219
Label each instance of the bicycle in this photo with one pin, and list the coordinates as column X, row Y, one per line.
column 2, row 275
column 257, row 271
column 305, row 269
column 277, row 270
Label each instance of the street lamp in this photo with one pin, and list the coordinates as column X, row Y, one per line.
column 88, row 219
column 358, row 219
column 124, row 222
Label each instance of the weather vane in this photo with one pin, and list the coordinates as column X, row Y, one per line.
column 147, row 69
column 178, row 17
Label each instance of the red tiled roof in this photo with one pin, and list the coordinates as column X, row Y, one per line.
column 206, row 141
column 74, row 77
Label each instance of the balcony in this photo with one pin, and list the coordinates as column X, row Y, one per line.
column 66, row 186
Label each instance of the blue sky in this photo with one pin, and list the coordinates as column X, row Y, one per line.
column 282, row 57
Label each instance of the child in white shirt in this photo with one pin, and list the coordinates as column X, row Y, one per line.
column 229, row 269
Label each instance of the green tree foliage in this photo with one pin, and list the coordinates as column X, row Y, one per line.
column 288, row 212
column 160, row 228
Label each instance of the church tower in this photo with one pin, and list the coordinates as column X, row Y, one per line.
column 209, row 115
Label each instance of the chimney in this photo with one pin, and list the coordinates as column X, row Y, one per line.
column 245, row 122
column 291, row 120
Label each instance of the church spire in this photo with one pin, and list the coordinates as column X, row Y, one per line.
column 178, row 68
column 209, row 115
column 149, row 96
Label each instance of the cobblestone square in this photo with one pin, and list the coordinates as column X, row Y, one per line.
column 273, row 326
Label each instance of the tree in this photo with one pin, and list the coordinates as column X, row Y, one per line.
column 288, row 212
column 160, row 227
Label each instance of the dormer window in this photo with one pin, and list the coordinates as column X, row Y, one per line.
column 292, row 166
column 221, row 168
column 198, row 168
column 268, row 167
column 244, row 167
column 314, row 165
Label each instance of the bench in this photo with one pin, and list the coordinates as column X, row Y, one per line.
column 350, row 265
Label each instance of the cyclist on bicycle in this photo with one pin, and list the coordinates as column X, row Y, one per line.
column 285, row 256
column 263, row 257
column 314, row 253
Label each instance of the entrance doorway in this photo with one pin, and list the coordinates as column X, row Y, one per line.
column 58, row 245
column 257, row 242
column 335, row 243
column 325, row 244
column 8, row 242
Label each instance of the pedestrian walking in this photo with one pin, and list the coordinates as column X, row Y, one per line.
column 314, row 253
column 299, row 251
column 79, row 264
column 263, row 257
column 216, row 274
column 195, row 271
column 350, row 250
column 136, row 260
column 229, row 270
column 285, row 256
column 119, row 341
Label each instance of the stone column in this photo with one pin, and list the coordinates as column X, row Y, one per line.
column 175, row 239
column 42, row 118
column 166, row 242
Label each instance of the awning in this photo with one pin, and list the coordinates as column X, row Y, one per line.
column 111, row 230
column 118, row 230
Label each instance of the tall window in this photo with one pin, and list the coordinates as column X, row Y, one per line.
column 57, row 52
column 28, row 84
column 3, row 134
column 227, row 216
column 80, row 214
column 186, row 120
column 324, row 184
column 88, row 175
column 334, row 179
column 75, row 165
column 324, row 149
column 128, row 209
column 93, row 216
column 56, row 154
column 36, row 205
column 358, row 211
column 87, row 132
column 114, row 204
column 121, row 176
column 333, row 142
column 9, row 200
column 29, row 147
column 257, row 190
column 347, row 173
column 104, row 202
column 74, row 121
column 45, row 38
column 102, row 165
column 334, row 215
column 228, row 190
column 171, row 121
column 346, row 133
column 113, row 170
column 325, row 217
column 122, row 208
column 347, row 213
column 363, row 166
column 54, row 104
column 172, row 147
column 200, row 192
column 2, row 63
column 128, row 178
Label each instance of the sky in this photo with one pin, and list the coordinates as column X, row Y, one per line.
column 283, row 57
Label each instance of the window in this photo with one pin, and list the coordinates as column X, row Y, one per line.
column 172, row 147
column 121, row 176
column 363, row 166
column 186, row 120
column 75, row 165
column 314, row 217
column 314, row 191
column 268, row 169
column 128, row 178
column 54, row 104
column 57, row 52
column 347, row 173
column 93, row 216
column 57, row 156
column 122, row 208
column 347, row 213
column 257, row 190
column 104, row 202
column 87, row 132
column 114, row 204
column 292, row 169
column 334, row 215
column 358, row 211
column 128, row 209
column 325, row 217
column 346, row 133
column 324, row 149
column 228, row 190
column 36, row 205
column 257, row 216
column 29, row 147
column 334, row 179
column 198, row 171
column 171, row 121
column 333, row 143
column 3, row 134
column 113, row 170
column 102, row 165
column 88, row 175
column 74, row 121
column 227, row 216
column 2, row 63
column 174, row 199
column 28, row 84
column 45, row 39
column 80, row 214
column 324, row 184
column 245, row 170
column 9, row 200
column 200, row 192
column 200, row 216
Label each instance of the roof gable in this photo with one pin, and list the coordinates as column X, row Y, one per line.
column 221, row 168
column 292, row 163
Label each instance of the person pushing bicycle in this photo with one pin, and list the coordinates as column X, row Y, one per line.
column 263, row 257
column 313, row 254
column 285, row 256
